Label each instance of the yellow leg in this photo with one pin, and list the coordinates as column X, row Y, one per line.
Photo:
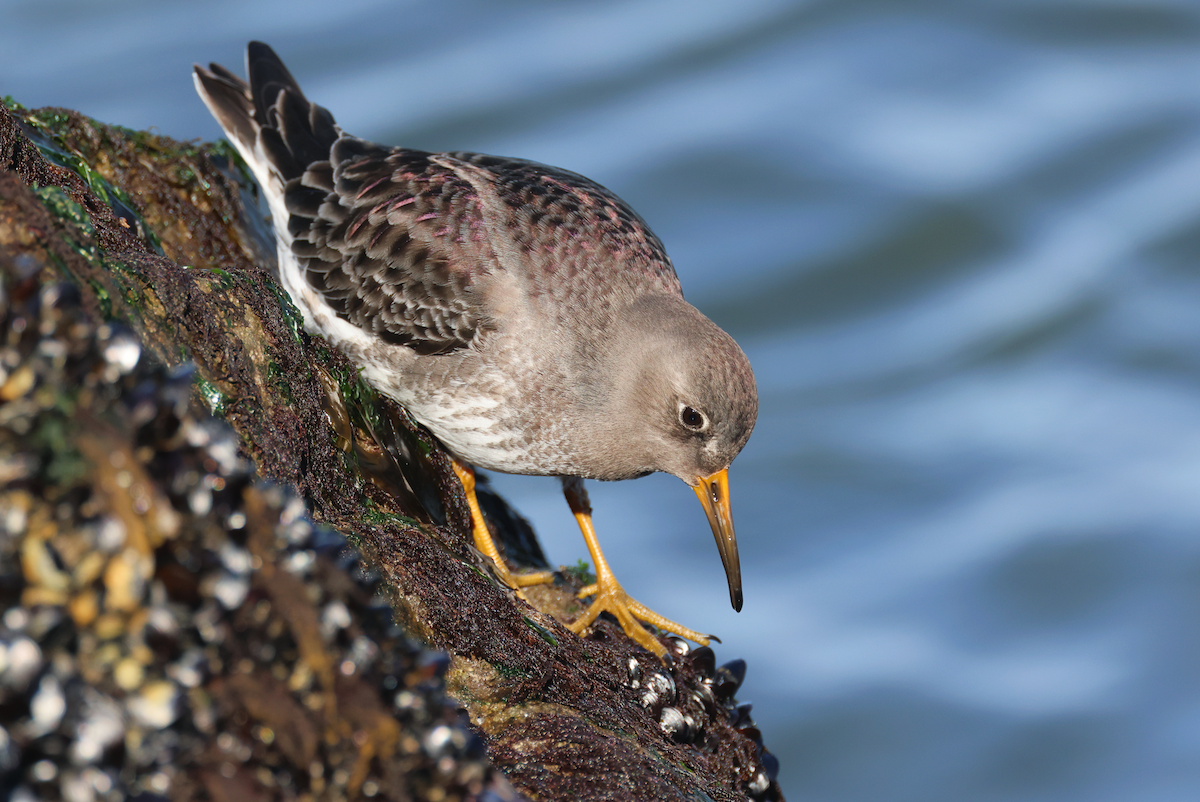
column 610, row 596
column 483, row 537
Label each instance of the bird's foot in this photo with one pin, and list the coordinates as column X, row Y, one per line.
column 518, row 581
column 483, row 537
column 612, row 598
column 503, row 573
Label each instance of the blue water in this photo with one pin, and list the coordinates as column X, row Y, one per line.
column 960, row 243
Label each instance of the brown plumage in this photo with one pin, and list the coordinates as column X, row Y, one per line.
column 524, row 313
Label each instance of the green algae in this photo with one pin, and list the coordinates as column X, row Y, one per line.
column 214, row 399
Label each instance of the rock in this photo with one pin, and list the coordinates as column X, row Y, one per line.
column 559, row 715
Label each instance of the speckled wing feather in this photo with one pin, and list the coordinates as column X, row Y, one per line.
column 366, row 224
column 393, row 242
column 396, row 241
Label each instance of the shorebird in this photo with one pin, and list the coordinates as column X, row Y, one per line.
column 524, row 314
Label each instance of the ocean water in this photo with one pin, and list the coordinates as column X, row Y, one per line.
column 960, row 243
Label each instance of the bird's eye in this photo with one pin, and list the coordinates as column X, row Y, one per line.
column 692, row 418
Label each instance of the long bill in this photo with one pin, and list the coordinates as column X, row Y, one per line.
column 713, row 492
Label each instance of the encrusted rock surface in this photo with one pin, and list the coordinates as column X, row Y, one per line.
column 209, row 529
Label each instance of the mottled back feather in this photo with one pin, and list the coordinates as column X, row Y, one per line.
column 396, row 240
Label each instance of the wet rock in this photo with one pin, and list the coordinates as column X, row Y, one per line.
column 179, row 572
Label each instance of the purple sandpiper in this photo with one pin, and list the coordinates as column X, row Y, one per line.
column 524, row 314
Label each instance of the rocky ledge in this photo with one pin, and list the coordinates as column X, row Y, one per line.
column 230, row 571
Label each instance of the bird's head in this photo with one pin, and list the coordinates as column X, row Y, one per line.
column 686, row 402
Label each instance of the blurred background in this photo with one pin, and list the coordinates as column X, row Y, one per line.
column 960, row 243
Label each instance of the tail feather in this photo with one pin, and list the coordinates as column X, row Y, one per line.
column 276, row 129
column 268, row 77
column 228, row 98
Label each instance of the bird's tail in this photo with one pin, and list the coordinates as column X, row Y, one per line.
column 273, row 126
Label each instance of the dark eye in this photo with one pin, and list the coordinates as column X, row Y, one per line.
column 691, row 418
